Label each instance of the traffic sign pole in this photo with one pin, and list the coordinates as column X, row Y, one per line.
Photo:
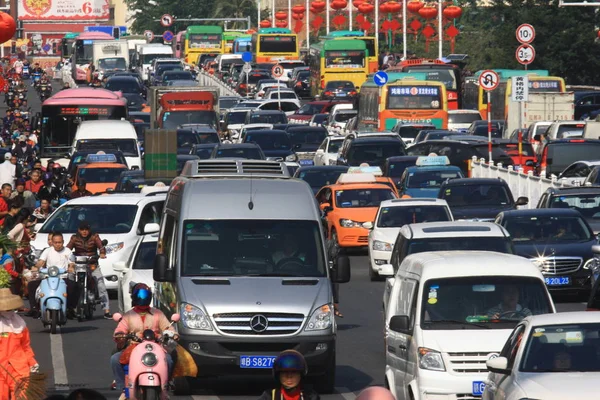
column 489, row 117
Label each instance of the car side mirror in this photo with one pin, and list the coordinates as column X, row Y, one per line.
column 320, row 151
column 400, row 324
column 498, row 365
column 522, row 201
column 37, row 227
column 367, row 225
column 151, row 228
column 119, row 266
column 162, row 272
column 596, row 247
column 341, row 272
column 325, row 207
column 386, row 270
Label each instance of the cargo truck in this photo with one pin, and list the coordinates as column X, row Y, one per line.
column 174, row 106
column 539, row 107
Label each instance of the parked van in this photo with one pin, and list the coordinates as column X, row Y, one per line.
column 242, row 258
column 107, row 135
column 224, row 61
column 449, row 313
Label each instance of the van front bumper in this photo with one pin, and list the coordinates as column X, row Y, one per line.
column 218, row 356
column 433, row 385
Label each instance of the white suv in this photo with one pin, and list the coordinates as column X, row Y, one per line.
column 119, row 218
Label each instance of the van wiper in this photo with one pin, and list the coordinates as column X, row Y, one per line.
column 455, row 321
column 276, row 274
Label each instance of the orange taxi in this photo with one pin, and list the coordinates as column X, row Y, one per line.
column 353, row 200
column 100, row 172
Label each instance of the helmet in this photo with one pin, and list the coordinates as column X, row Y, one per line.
column 141, row 295
column 56, row 166
column 289, row 360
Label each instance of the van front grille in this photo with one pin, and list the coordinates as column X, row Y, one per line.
column 469, row 363
column 261, row 324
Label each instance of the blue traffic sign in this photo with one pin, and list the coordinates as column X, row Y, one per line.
column 168, row 36
column 381, row 78
column 46, row 47
column 246, row 56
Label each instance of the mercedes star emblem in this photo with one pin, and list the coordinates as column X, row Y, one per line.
column 259, row 323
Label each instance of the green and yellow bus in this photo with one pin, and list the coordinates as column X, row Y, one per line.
column 202, row 40
column 337, row 60
column 407, row 97
column 229, row 37
column 372, row 45
column 274, row 44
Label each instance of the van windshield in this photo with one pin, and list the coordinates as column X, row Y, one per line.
column 252, row 248
column 128, row 147
column 481, row 302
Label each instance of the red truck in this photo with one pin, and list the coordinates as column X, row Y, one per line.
column 173, row 107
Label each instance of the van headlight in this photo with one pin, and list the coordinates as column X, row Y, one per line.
column 321, row 318
column 292, row 158
column 348, row 223
column 113, row 248
column 381, row 246
column 194, row 318
column 431, row 359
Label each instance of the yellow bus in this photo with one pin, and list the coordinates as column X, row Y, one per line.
column 403, row 99
column 203, row 40
column 275, row 44
column 337, row 60
column 372, row 45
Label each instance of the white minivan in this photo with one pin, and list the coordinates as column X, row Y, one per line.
column 107, row 135
column 450, row 312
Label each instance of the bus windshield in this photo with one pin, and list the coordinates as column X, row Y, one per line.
column 205, row 41
column 84, row 51
column 172, row 119
column 445, row 75
column 344, row 59
column 414, row 97
column 277, row 44
column 112, row 63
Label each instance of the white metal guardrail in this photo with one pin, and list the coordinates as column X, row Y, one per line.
column 206, row 79
column 520, row 184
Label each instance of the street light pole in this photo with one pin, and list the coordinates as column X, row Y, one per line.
column 272, row 13
column 404, row 50
column 440, row 29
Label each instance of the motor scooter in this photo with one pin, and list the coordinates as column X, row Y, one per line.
column 25, row 72
column 53, row 298
column 88, row 292
column 147, row 375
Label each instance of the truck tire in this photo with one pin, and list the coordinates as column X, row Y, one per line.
column 325, row 384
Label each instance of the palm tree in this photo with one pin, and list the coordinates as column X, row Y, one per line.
column 236, row 9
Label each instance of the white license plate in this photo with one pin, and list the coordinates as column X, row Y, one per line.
column 558, row 281
column 257, row 361
column 478, row 388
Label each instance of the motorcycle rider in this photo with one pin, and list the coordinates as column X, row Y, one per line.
column 81, row 190
column 49, row 191
column 44, row 211
column 87, row 243
column 22, row 150
column 289, row 369
column 135, row 321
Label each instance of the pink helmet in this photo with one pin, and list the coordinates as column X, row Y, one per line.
column 375, row 393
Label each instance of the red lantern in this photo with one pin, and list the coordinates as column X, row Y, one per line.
column 318, row 5
column 598, row 33
column 297, row 16
column 8, row 27
column 265, row 23
column 314, row 10
column 394, row 7
column 281, row 24
column 339, row 4
column 384, row 8
column 414, row 6
column 299, row 9
column 281, row 15
column 366, row 8
column 452, row 12
column 428, row 12
column 357, row 3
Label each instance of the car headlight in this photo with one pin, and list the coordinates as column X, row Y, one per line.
column 194, row 318
column 591, row 264
column 321, row 318
column 348, row 223
column 538, row 262
column 381, row 246
column 431, row 359
column 149, row 359
column 292, row 158
column 113, row 248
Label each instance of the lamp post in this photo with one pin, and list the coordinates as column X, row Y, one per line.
column 272, row 13
column 404, row 50
column 440, row 29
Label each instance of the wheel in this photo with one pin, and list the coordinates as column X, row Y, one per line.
column 374, row 276
column 53, row 321
column 326, row 383
column 183, row 386
column 149, row 393
column 89, row 311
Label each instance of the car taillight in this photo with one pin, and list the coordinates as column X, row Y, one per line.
column 328, row 93
column 242, row 86
column 322, row 84
column 298, row 84
column 353, row 93
column 452, row 96
column 576, row 141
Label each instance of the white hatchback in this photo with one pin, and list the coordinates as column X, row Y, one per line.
column 119, row 218
column 327, row 153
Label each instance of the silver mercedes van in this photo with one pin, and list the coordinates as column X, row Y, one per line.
column 241, row 256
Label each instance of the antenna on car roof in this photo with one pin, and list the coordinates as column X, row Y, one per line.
column 251, row 203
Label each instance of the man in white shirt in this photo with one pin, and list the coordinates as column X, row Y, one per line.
column 57, row 256
column 8, row 170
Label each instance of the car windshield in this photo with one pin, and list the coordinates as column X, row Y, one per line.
column 499, row 244
column 310, row 109
column 269, row 141
column 334, row 146
column 431, row 179
column 208, row 137
column 252, row 248
column 587, row 204
column 345, row 116
column 397, row 168
column 100, row 175
column 481, row 302
column 320, row 178
column 476, row 195
column 187, row 138
column 463, row 118
column 562, row 348
column 244, row 152
column 172, row 119
column 112, row 63
column 123, row 85
column 227, row 103
column 236, row 117
column 144, row 258
column 204, row 152
column 305, row 136
column 248, row 104
column 118, row 218
column 356, row 198
column 547, row 229
column 512, row 149
column 274, row 94
column 374, row 154
column 396, row 217
column 128, row 147
column 271, row 118
column 177, row 75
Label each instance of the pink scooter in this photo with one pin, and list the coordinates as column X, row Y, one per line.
column 147, row 375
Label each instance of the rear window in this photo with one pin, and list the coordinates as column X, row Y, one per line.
column 411, row 132
column 512, row 149
column 463, row 118
column 566, row 131
column 561, row 155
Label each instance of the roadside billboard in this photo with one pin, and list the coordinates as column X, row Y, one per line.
column 63, row 10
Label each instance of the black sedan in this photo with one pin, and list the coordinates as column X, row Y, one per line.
column 125, row 84
column 319, row 176
column 559, row 242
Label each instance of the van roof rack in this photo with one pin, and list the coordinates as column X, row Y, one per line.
column 235, row 168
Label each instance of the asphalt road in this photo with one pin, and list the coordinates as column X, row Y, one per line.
column 79, row 355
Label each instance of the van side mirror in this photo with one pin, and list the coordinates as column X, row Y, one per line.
column 596, row 247
column 522, row 201
column 367, row 225
column 537, row 137
column 162, row 272
column 386, row 270
column 498, row 365
column 341, row 272
column 400, row 324
column 151, row 228
column 120, row 266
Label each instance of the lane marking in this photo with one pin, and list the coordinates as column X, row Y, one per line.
column 58, row 362
column 346, row 393
column 198, row 397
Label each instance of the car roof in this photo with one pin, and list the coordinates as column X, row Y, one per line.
column 574, row 190
column 266, row 112
column 305, row 128
column 563, row 318
column 532, row 212
column 586, row 162
column 322, row 168
column 475, row 181
column 115, row 199
column 455, row 229
column 402, row 158
column 237, row 145
column 413, row 202
column 122, row 78
column 463, row 112
column 365, row 140
column 268, row 131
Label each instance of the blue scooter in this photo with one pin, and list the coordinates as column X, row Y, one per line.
column 25, row 72
column 53, row 298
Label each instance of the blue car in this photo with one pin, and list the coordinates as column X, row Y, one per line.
column 426, row 177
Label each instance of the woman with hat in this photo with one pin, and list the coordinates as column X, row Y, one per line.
column 17, row 360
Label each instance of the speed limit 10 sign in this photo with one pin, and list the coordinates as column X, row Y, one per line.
column 525, row 34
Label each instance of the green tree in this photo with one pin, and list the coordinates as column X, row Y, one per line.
column 237, row 9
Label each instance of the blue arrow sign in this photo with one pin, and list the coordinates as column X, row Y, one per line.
column 246, row 56
column 46, row 47
column 381, row 78
column 168, row 36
